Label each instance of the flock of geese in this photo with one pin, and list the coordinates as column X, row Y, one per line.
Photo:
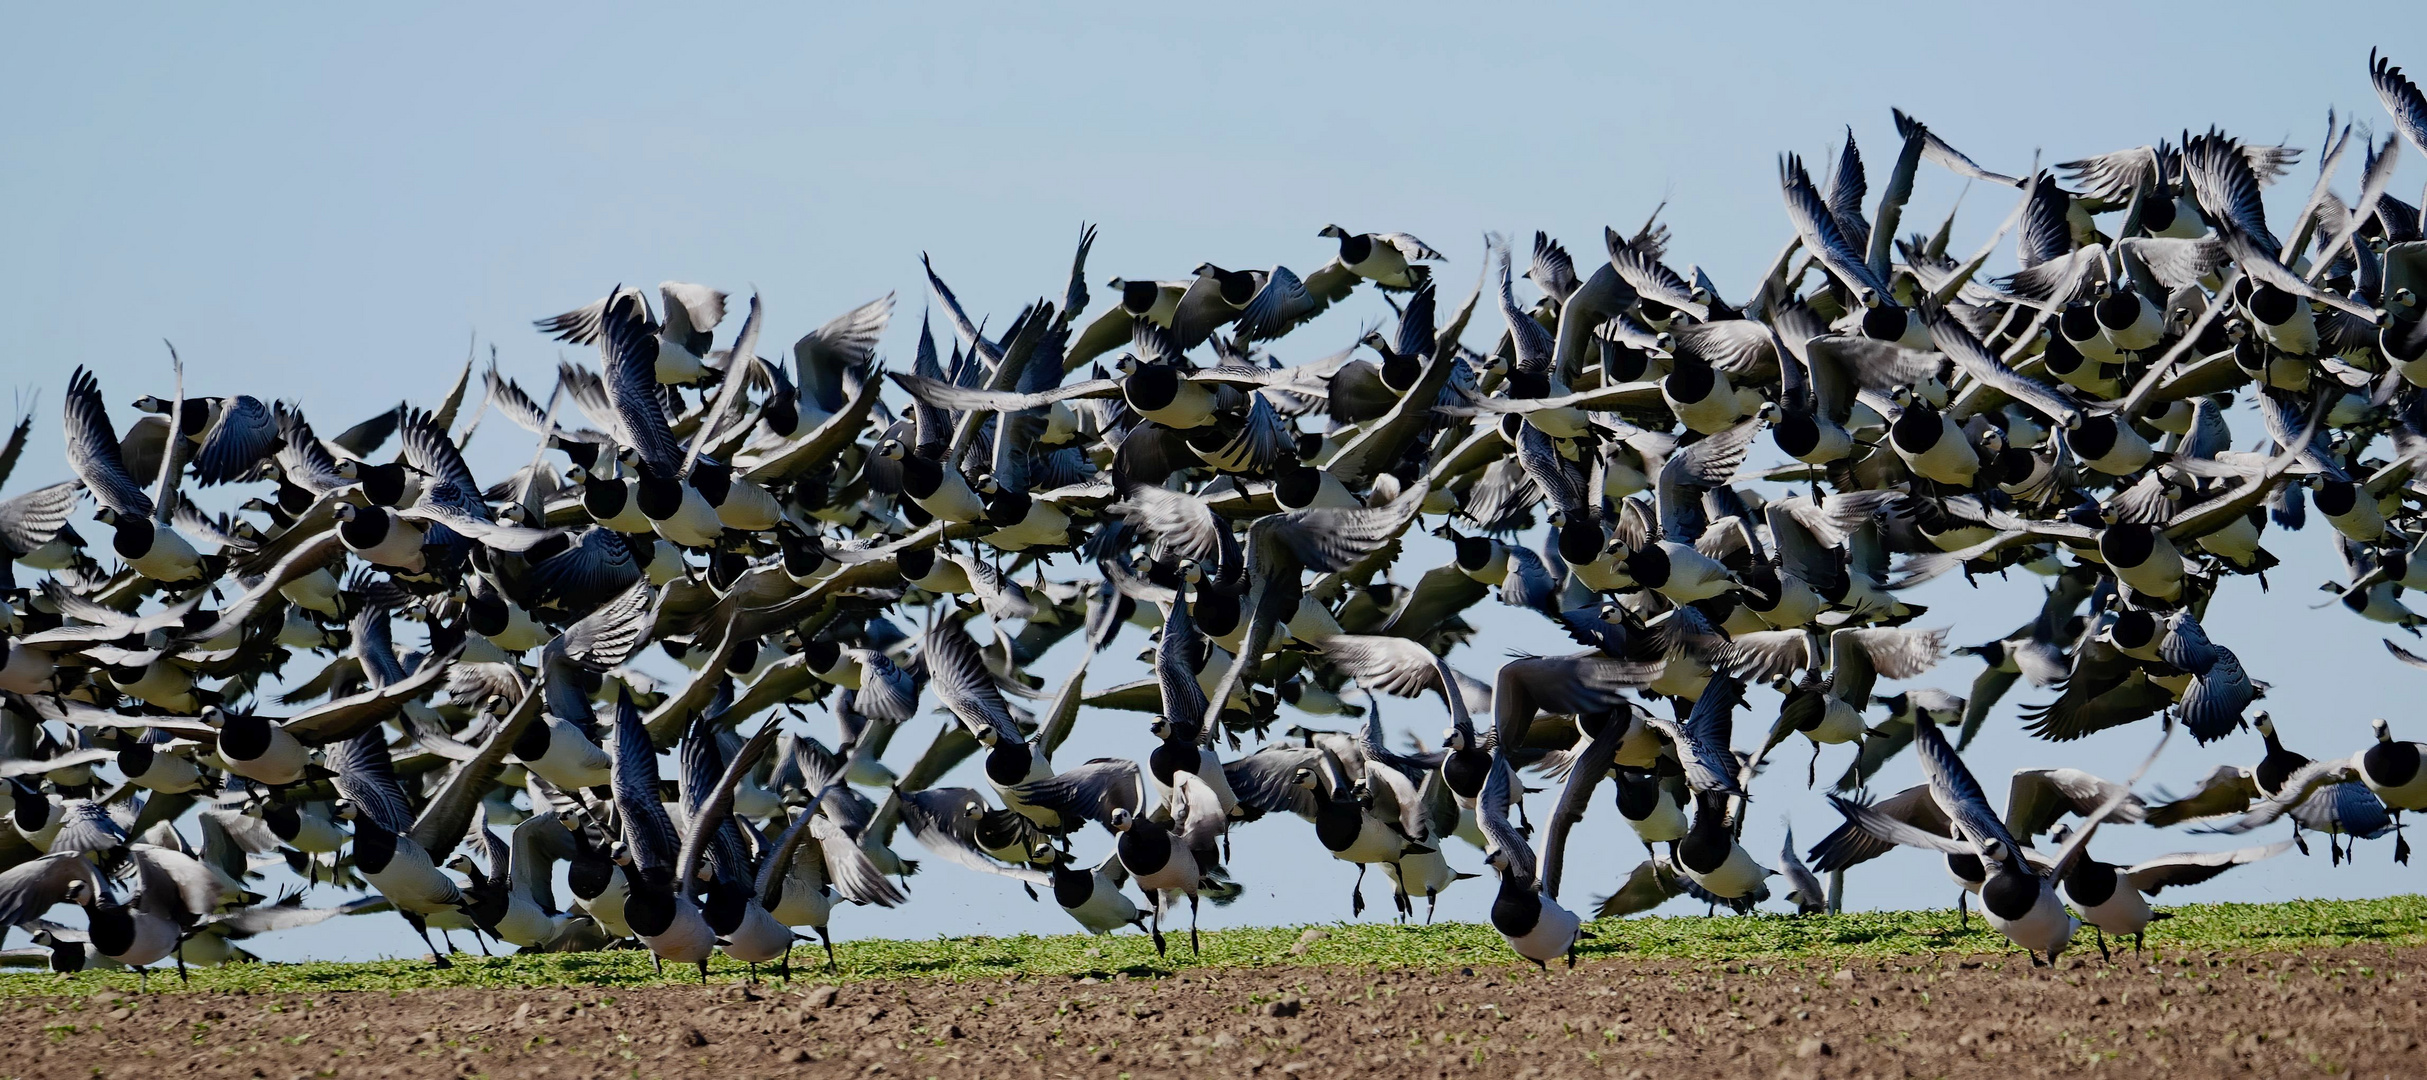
column 824, row 535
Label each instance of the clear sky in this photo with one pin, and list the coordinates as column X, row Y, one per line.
column 328, row 209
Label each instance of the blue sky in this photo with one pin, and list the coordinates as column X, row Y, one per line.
column 329, row 209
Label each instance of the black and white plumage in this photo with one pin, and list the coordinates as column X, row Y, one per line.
column 1243, row 482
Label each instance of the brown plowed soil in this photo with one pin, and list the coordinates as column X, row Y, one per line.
column 2356, row 1011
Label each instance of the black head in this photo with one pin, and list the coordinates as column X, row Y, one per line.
column 1580, row 542
column 659, row 497
column 1796, row 433
column 713, row 480
column 1887, row 322
column 1152, row 386
column 1649, row 566
column 2119, row 310
column 2336, row 498
column 2134, row 629
column 244, row 735
column 112, row 927
column 2079, row 322
column 1623, row 363
column 1475, row 552
column 374, row 845
column 2273, row 306
column 2062, row 358
column 2096, row 437
column 822, row 655
column 1296, row 487
column 1690, row 381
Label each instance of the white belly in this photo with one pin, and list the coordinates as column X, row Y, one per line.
column 1375, row 843
column 675, row 364
column 2410, row 796
column 412, row 884
column 1191, row 407
column 759, row 939
column 1666, row 822
column 1385, row 264
column 1421, row 875
column 2126, row 912
column 688, row 939
column 803, row 900
column 753, row 801
column 2045, row 929
column 1178, row 873
column 1106, row 910
column 607, row 908
column 1552, row 936
column 521, row 632
column 282, row 763
column 169, row 774
column 629, row 519
column 170, row 558
column 1797, row 606
column 1045, row 525
column 2238, row 541
column 1839, row 723
column 525, row 924
column 1561, row 423
column 1716, row 412
column 28, row 671
column 749, row 508
column 1949, row 461
column 1738, row 876
column 155, row 940
column 2297, row 336
column 572, row 761
column 953, row 501
column 693, row 524
column 163, row 684
column 316, row 591
column 400, row 549
column 316, row 834
column 1604, row 575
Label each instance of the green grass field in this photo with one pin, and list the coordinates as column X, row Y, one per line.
column 2395, row 921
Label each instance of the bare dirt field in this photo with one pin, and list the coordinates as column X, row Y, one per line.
column 2355, row 1010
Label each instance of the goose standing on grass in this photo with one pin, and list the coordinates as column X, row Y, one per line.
column 1806, row 892
column 384, row 850
column 2362, row 796
column 1529, row 919
column 2018, row 898
column 2113, row 899
column 658, row 907
column 173, row 894
column 2321, row 796
column 1092, row 897
column 1174, row 852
